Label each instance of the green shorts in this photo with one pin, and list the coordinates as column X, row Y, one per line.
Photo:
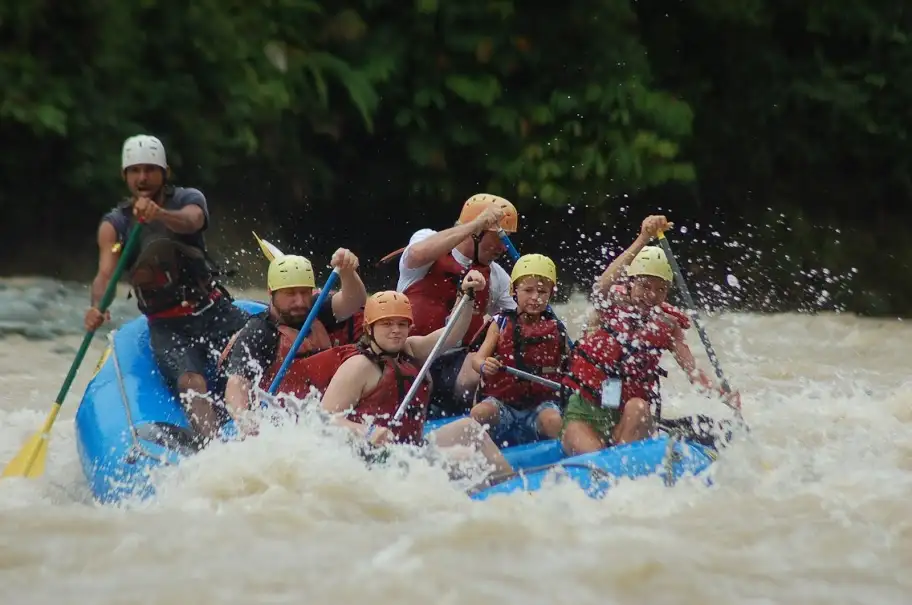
column 600, row 419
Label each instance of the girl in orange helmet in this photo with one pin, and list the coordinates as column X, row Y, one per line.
column 368, row 387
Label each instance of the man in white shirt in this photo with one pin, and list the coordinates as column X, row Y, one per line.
column 431, row 268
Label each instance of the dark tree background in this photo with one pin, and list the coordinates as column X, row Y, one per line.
column 775, row 133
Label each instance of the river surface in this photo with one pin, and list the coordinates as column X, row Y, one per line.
column 813, row 509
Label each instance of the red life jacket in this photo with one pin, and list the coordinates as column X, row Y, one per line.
column 295, row 380
column 379, row 405
column 349, row 331
column 434, row 295
column 628, row 345
column 539, row 348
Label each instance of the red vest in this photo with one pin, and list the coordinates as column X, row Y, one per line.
column 295, row 381
column 627, row 345
column 379, row 405
column 434, row 295
column 539, row 348
column 349, row 331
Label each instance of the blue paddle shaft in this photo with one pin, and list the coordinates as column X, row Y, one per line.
column 304, row 331
column 511, row 249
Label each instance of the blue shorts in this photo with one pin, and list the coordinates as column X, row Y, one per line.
column 517, row 427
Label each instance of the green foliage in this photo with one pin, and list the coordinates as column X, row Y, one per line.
column 531, row 105
column 752, row 106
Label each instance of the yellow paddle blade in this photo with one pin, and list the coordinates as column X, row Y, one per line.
column 30, row 460
column 269, row 250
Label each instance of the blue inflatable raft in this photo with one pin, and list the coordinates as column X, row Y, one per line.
column 128, row 423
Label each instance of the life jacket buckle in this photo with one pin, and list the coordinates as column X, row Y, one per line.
column 201, row 310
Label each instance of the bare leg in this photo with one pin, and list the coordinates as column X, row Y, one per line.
column 636, row 422
column 549, row 423
column 486, row 413
column 467, row 432
column 200, row 411
column 581, row 438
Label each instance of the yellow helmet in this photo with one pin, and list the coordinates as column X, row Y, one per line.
column 286, row 270
column 534, row 264
column 651, row 260
column 290, row 271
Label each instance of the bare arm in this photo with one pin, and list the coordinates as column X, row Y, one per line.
column 649, row 229
column 430, row 249
column 237, row 396
column 188, row 219
column 107, row 261
column 344, row 392
column 487, row 347
column 613, row 272
column 683, row 355
column 350, row 297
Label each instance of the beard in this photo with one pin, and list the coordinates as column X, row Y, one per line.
column 293, row 319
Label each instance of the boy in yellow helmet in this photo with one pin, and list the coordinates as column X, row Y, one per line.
column 614, row 369
column 529, row 338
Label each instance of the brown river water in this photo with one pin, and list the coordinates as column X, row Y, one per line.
column 814, row 508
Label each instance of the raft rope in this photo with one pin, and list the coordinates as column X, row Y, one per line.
column 495, row 480
column 136, row 448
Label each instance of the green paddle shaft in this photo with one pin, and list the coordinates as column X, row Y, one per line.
column 106, row 300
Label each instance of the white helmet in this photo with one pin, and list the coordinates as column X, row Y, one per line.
column 143, row 149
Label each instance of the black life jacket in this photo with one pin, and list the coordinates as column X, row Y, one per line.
column 169, row 269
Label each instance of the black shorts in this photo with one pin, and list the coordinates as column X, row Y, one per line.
column 445, row 401
column 192, row 344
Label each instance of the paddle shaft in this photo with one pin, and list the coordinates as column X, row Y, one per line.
column 531, row 377
column 467, row 299
column 682, row 285
column 106, row 300
column 304, row 331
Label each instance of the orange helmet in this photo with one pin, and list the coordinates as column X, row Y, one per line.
column 387, row 304
column 480, row 202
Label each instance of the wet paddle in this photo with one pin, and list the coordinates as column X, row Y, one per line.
column 531, row 377
column 413, row 390
column 30, row 461
column 710, row 352
column 303, row 332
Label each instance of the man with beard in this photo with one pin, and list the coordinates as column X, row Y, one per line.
column 256, row 353
column 190, row 315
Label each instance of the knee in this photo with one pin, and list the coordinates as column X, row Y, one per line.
column 190, row 381
column 572, row 431
column 637, row 409
column 485, row 412
column 550, row 422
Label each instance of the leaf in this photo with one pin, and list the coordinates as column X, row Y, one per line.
column 479, row 90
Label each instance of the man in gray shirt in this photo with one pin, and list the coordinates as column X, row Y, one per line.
column 191, row 317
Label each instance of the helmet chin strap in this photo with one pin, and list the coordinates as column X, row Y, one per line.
column 383, row 352
column 476, row 241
